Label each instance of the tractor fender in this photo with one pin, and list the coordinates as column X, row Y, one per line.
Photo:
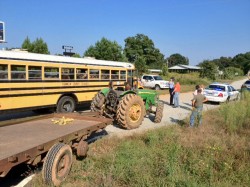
column 105, row 91
column 127, row 92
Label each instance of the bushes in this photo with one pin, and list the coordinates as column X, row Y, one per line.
column 231, row 72
column 188, row 79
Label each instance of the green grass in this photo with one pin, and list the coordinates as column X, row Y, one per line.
column 215, row 154
column 236, row 115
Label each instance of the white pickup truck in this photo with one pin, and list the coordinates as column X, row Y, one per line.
column 154, row 81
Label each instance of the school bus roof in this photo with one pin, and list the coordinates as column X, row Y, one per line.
column 16, row 55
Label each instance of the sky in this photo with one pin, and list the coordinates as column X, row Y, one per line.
column 197, row 29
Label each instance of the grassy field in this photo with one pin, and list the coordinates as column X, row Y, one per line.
column 215, row 154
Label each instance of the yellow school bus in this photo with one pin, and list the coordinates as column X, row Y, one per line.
column 30, row 81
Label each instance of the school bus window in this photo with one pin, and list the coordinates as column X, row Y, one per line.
column 35, row 73
column 123, row 75
column 68, row 73
column 3, row 72
column 114, row 74
column 105, row 74
column 52, row 73
column 81, row 74
column 18, row 72
column 94, row 74
column 130, row 73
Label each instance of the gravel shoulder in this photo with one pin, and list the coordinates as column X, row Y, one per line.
column 170, row 115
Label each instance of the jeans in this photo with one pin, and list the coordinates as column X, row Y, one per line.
column 171, row 95
column 197, row 112
column 176, row 99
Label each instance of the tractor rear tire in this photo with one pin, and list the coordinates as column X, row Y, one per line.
column 130, row 111
column 159, row 112
column 97, row 102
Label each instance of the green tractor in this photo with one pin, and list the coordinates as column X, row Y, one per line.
column 129, row 107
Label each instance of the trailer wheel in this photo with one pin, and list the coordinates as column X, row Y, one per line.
column 97, row 102
column 159, row 112
column 130, row 112
column 57, row 164
column 66, row 104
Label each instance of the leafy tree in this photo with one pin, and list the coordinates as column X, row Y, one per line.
column 106, row 50
column 231, row 72
column 209, row 69
column 140, row 65
column 176, row 59
column 224, row 62
column 26, row 44
column 242, row 61
column 38, row 46
column 141, row 46
column 164, row 70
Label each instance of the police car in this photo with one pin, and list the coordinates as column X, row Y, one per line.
column 246, row 86
column 221, row 92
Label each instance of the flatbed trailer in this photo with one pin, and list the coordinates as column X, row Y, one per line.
column 43, row 140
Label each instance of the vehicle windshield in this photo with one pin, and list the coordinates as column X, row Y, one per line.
column 216, row 87
column 157, row 78
column 247, row 82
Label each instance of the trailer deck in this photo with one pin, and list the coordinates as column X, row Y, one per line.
column 24, row 142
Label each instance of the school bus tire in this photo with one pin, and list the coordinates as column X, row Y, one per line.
column 57, row 164
column 130, row 112
column 159, row 112
column 66, row 104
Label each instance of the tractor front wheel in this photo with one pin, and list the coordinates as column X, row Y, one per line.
column 159, row 112
column 97, row 102
column 130, row 112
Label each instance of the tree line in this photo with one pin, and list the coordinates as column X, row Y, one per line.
column 226, row 67
column 141, row 51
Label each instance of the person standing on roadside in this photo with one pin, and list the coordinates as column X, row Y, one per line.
column 171, row 89
column 197, row 104
column 111, row 85
column 176, row 92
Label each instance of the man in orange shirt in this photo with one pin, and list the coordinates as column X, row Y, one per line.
column 176, row 92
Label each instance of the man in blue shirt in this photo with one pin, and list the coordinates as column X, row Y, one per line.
column 171, row 89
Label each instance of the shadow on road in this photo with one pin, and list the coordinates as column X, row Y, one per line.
column 181, row 123
column 165, row 102
column 188, row 104
column 186, row 108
